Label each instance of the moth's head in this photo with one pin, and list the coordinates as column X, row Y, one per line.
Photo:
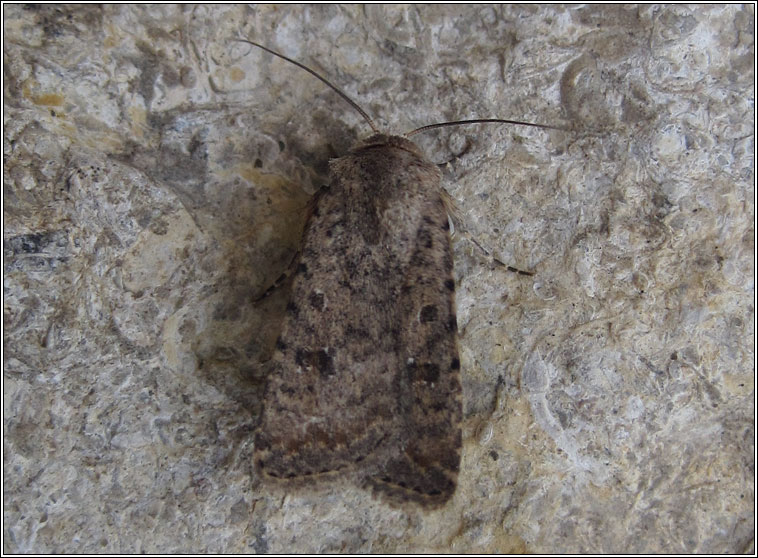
column 384, row 140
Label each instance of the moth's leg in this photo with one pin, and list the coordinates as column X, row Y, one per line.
column 495, row 260
column 281, row 280
column 458, row 226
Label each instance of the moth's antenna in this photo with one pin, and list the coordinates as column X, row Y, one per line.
column 313, row 73
column 479, row 121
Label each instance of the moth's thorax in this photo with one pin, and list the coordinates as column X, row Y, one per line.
column 384, row 140
column 383, row 161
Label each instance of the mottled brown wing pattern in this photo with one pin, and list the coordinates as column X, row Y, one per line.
column 366, row 371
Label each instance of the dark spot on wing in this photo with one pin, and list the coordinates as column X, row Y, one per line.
column 321, row 360
column 428, row 314
column 316, row 300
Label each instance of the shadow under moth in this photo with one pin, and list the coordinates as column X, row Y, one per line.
column 366, row 375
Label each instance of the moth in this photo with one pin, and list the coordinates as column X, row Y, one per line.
column 365, row 380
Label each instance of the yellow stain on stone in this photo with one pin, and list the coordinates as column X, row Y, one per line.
column 138, row 119
column 48, row 99
column 739, row 383
column 93, row 139
column 251, row 174
column 497, row 540
column 503, row 542
column 285, row 194
column 110, row 41
column 235, row 74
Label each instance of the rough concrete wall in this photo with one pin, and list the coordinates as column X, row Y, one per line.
column 155, row 181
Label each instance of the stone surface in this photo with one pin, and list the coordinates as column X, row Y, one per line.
column 155, row 181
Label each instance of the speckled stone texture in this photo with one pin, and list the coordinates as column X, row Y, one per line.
column 155, row 181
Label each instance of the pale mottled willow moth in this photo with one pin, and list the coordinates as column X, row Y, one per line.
column 366, row 374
